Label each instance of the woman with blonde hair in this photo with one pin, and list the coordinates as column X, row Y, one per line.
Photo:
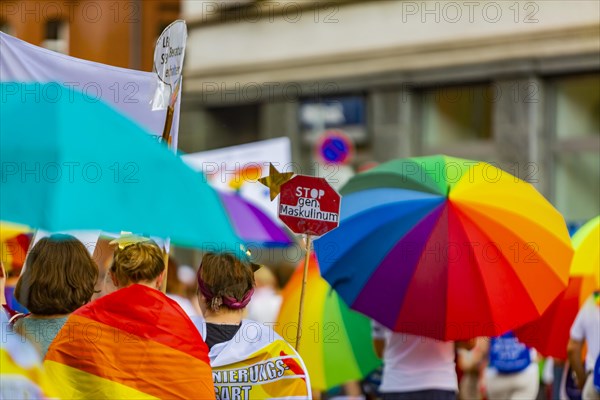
column 134, row 342
column 248, row 358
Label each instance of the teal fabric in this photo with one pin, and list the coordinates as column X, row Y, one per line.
column 70, row 161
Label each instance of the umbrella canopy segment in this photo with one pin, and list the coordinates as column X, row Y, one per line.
column 74, row 162
column 253, row 225
column 336, row 342
column 559, row 317
column 586, row 241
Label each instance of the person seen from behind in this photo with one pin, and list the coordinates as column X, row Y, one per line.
column 586, row 329
column 248, row 358
column 416, row 367
column 134, row 342
column 512, row 372
column 59, row 276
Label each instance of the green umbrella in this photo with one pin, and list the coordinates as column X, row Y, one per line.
column 73, row 162
column 336, row 343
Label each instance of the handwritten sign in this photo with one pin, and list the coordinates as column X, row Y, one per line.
column 168, row 63
column 169, row 52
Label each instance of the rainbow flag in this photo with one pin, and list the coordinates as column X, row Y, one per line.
column 256, row 364
column 135, row 343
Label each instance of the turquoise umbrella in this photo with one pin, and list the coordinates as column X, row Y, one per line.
column 70, row 161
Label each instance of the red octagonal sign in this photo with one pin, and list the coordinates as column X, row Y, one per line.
column 309, row 205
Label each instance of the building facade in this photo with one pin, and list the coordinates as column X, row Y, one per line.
column 512, row 83
column 122, row 33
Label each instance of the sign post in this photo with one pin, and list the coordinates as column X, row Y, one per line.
column 168, row 65
column 309, row 206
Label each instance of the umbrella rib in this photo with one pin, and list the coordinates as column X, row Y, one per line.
column 464, row 215
column 342, row 329
column 474, row 204
column 488, row 301
column 516, row 233
column 548, row 315
column 427, row 239
column 345, row 252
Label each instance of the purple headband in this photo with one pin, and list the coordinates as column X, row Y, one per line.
column 215, row 302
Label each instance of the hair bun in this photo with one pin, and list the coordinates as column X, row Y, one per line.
column 216, row 302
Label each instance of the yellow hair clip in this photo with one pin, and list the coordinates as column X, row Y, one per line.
column 127, row 239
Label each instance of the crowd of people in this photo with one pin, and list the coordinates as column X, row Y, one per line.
column 119, row 336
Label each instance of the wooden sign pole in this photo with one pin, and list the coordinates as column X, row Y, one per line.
column 304, row 280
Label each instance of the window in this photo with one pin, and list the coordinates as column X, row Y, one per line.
column 575, row 121
column 57, row 36
column 458, row 114
column 576, row 180
column 232, row 125
column 347, row 113
column 578, row 107
column 457, row 121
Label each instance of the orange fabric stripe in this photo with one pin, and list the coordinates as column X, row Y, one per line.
column 148, row 314
column 139, row 363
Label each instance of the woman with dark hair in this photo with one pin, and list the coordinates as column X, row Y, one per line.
column 59, row 277
column 132, row 343
column 249, row 360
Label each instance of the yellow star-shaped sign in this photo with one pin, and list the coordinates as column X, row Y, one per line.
column 128, row 238
column 275, row 180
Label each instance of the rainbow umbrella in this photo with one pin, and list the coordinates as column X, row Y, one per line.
column 446, row 248
column 586, row 242
column 15, row 240
column 251, row 224
column 21, row 374
column 9, row 230
column 336, row 342
column 550, row 333
column 14, row 243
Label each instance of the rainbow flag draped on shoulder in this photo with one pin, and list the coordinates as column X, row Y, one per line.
column 135, row 343
column 256, row 364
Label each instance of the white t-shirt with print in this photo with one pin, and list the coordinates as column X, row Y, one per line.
column 414, row 363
